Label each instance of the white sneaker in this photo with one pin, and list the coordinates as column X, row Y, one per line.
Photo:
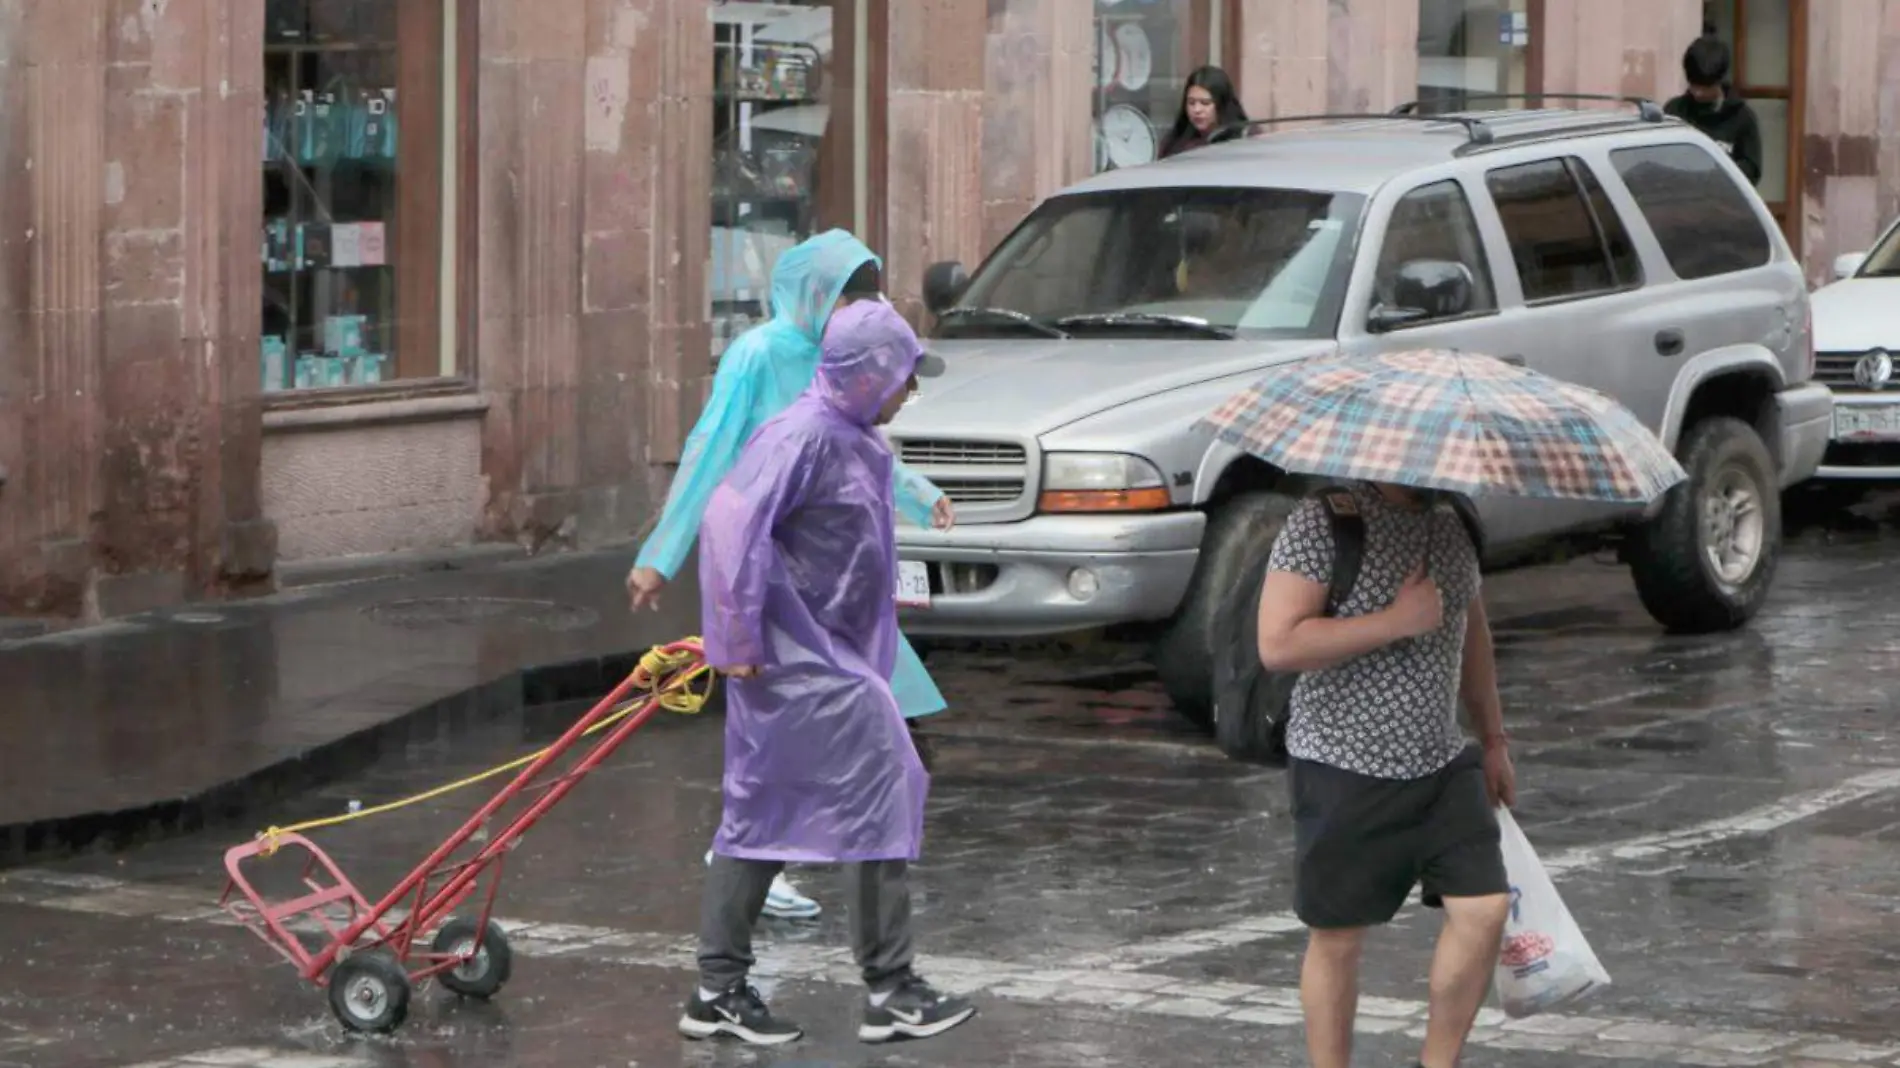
column 783, row 901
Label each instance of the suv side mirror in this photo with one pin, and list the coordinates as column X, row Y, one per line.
column 943, row 284
column 1846, row 265
column 1424, row 290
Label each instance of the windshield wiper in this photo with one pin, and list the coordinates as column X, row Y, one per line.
column 1009, row 315
column 1186, row 323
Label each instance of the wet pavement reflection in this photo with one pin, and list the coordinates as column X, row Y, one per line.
column 1721, row 813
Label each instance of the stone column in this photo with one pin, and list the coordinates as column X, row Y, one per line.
column 1313, row 56
column 594, row 220
column 1038, row 70
column 129, row 295
column 934, row 139
column 52, row 113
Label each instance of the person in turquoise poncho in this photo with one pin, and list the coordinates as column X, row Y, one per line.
column 760, row 374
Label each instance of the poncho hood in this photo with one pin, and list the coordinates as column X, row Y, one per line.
column 810, row 276
column 870, row 353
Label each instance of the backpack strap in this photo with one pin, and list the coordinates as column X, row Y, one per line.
column 1349, row 543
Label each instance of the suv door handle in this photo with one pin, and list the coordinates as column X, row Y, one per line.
column 1669, row 342
column 1514, row 360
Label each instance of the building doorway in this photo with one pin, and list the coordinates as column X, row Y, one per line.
column 1769, row 41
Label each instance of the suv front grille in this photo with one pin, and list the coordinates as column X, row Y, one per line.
column 924, row 452
column 1836, row 371
column 987, row 473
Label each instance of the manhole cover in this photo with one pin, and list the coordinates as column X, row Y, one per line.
column 417, row 612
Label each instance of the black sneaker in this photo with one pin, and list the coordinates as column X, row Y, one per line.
column 739, row 1012
column 914, row 1010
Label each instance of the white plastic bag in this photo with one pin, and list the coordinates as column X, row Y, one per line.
column 1544, row 961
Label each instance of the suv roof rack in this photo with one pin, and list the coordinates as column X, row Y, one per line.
column 1647, row 110
column 1476, row 131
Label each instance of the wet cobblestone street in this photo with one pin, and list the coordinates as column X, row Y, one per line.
column 1720, row 813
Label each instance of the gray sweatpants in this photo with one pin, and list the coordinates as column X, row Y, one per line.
column 877, row 902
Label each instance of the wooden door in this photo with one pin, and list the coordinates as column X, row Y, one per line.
column 1769, row 40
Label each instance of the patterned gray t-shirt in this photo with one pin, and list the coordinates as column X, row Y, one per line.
column 1392, row 713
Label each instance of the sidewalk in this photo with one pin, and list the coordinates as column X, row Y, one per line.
column 160, row 723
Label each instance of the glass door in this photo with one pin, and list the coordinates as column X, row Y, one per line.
column 1768, row 40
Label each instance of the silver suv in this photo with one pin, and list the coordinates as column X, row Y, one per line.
column 1618, row 250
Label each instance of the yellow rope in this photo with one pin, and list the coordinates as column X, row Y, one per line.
column 660, row 666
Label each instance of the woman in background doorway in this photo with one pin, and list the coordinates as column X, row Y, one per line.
column 1210, row 109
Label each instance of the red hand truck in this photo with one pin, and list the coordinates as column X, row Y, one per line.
column 370, row 957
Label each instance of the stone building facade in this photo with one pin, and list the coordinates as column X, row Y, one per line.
column 284, row 281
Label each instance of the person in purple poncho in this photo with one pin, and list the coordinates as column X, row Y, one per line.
column 798, row 579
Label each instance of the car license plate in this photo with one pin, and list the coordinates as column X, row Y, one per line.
column 1864, row 422
column 913, row 584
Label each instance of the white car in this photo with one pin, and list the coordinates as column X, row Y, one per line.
column 1856, row 341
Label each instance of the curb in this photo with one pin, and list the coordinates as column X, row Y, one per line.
column 37, row 841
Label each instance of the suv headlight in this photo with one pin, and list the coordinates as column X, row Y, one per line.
column 1101, row 482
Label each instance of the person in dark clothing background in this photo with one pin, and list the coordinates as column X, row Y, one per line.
column 1209, row 105
column 1712, row 106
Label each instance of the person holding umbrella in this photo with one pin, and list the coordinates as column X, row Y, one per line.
column 1387, row 793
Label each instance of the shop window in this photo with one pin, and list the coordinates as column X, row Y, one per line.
column 1470, row 48
column 787, row 111
column 1144, row 52
column 359, row 120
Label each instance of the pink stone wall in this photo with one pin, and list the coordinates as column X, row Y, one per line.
column 129, row 292
column 1037, row 126
column 933, row 194
column 594, row 223
column 1850, row 154
column 1629, row 47
column 1309, row 57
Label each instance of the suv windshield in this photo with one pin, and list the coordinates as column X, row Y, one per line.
column 1884, row 260
column 1186, row 262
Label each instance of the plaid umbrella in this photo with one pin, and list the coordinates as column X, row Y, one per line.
column 1447, row 420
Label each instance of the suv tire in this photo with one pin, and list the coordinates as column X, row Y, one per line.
column 1705, row 562
column 1239, row 533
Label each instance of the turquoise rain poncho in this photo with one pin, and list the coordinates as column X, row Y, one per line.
column 760, row 375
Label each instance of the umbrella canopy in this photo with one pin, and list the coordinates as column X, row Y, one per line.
column 1447, row 420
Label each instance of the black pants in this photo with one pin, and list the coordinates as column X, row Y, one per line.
column 1361, row 843
column 878, row 904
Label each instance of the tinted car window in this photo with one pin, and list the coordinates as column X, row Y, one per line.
column 1434, row 222
column 1704, row 221
column 1616, row 237
column 1555, row 242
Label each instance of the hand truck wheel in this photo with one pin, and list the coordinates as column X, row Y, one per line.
column 488, row 965
column 369, row 992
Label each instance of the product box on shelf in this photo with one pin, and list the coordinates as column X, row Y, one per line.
column 276, row 369
column 313, row 246
column 372, row 124
column 318, row 139
column 307, row 373
column 368, row 368
column 333, row 371
column 343, row 334
column 278, row 246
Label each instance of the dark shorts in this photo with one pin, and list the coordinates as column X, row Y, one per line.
column 1361, row 844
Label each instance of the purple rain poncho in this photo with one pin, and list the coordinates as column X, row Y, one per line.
column 798, row 576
